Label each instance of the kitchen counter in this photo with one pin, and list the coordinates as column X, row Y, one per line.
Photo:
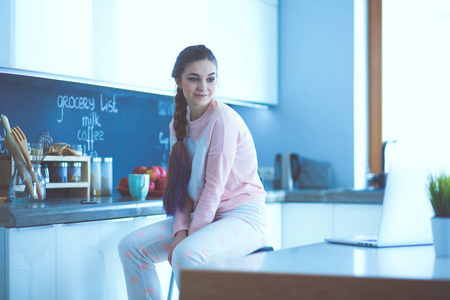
column 338, row 195
column 70, row 210
column 366, row 196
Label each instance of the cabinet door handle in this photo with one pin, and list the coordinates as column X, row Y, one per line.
column 119, row 220
column 98, row 222
column 36, row 227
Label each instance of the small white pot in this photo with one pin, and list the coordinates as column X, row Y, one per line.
column 441, row 236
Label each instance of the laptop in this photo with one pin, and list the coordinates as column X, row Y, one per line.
column 407, row 211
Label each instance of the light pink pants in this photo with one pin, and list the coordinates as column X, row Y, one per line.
column 234, row 233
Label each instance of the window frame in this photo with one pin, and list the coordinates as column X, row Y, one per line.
column 375, row 85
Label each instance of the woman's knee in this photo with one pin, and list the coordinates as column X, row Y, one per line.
column 129, row 247
column 185, row 256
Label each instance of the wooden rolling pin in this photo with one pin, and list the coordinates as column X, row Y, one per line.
column 19, row 160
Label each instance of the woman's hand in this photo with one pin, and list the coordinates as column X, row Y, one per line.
column 179, row 236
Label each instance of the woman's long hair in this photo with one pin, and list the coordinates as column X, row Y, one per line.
column 179, row 168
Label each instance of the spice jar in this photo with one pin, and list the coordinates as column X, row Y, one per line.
column 107, row 176
column 74, row 172
column 46, row 173
column 96, row 176
column 58, row 172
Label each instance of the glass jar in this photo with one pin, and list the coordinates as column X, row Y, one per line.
column 46, row 173
column 107, row 176
column 96, row 177
column 58, row 172
column 74, row 172
column 20, row 191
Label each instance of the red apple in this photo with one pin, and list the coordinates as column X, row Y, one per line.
column 159, row 186
column 139, row 170
column 162, row 171
column 151, row 186
column 154, row 173
column 123, row 183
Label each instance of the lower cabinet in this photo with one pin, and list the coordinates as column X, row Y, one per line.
column 274, row 224
column 28, row 263
column 87, row 261
column 308, row 223
column 68, row 261
column 356, row 219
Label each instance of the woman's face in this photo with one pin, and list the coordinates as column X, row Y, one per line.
column 198, row 83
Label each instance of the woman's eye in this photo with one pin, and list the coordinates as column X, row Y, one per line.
column 193, row 79
column 211, row 79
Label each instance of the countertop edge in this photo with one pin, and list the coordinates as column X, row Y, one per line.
column 70, row 210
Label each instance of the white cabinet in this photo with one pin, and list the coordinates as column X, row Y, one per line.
column 274, row 215
column 150, row 34
column 242, row 34
column 137, row 42
column 29, row 273
column 88, row 264
column 356, row 219
column 306, row 223
column 244, row 38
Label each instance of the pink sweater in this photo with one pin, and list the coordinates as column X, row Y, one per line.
column 224, row 166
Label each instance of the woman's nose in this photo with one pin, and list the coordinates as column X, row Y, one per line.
column 202, row 85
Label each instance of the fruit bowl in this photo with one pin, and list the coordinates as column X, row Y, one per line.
column 126, row 193
column 155, row 194
column 123, row 192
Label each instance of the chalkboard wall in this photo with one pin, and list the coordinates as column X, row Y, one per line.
column 129, row 125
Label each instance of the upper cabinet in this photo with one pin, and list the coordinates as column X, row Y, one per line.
column 244, row 37
column 136, row 42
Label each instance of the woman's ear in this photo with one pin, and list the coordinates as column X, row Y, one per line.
column 178, row 82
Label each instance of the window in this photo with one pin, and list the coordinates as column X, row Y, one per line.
column 409, row 73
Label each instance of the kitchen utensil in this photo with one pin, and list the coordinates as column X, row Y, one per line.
column 287, row 170
column 19, row 160
column 22, row 142
column 42, row 142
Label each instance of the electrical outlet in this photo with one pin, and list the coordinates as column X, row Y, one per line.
column 266, row 173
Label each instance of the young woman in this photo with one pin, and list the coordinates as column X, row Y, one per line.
column 213, row 191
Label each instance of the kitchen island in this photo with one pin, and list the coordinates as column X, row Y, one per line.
column 323, row 271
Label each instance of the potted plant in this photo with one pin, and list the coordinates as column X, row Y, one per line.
column 439, row 193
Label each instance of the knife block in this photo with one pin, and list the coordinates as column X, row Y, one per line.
column 71, row 189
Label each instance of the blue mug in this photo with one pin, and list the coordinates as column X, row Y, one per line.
column 138, row 185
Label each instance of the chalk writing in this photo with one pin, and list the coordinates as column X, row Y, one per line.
column 164, row 141
column 2, row 138
column 90, row 131
column 166, row 108
column 109, row 105
column 71, row 102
